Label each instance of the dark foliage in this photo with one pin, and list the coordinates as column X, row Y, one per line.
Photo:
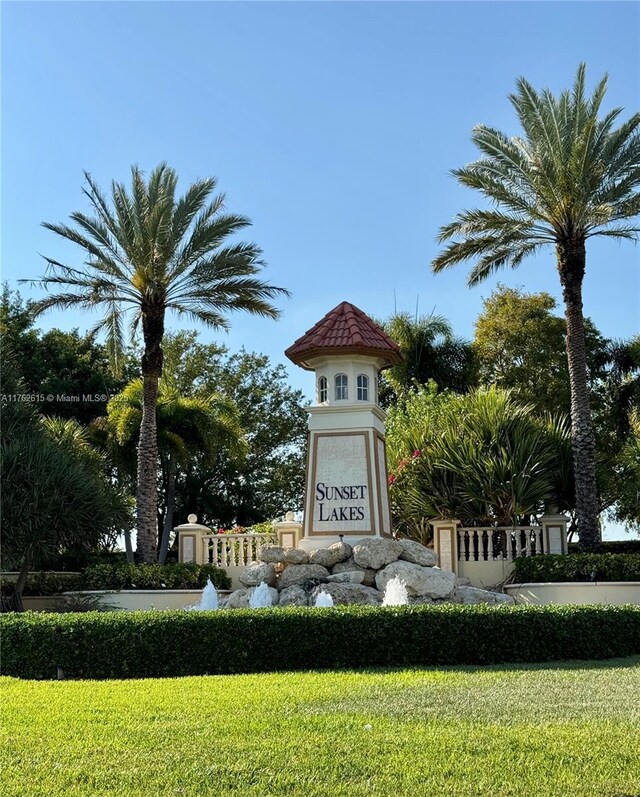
column 578, row 567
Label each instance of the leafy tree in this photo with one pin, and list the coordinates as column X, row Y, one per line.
column 482, row 457
column 520, row 344
column 270, row 480
column 58, row 363
column 148, row 252
column 55, row 495
column 430, row 351
column 571, row 176
column 626, row 478
column 187, row 426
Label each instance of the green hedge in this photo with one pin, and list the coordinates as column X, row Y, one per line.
column 122, row 576
column 611, row 546
column 157, row 644
column 169, row 576
column 578, row 567
column 43, row 583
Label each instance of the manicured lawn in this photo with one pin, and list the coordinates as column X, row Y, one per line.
column 570, row 730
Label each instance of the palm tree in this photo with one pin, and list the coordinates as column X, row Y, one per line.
column 186, row 425
column 572, row 176
column 430, row 351
column 148, row 252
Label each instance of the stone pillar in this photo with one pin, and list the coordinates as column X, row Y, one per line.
column 554, row 533
column 445, row 542
column 190, row 541
column 289, row 531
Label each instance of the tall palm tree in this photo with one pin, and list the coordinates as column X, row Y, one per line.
column 148, row 252
column 186, row 425
column 570, row 177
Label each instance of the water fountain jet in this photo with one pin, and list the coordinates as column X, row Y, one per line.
column 395, row 593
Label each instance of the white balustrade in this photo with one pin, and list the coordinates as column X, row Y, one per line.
column 491, row 543
column 233, row 550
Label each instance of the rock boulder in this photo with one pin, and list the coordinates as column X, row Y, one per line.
column 328, row 557
column 293, row 596
column 295, row 556
column 348, row 593
column 375, row 554
column 419, row 581
column 271, row 553
column 298, row 574
column 350, row 565
column 348, row 577
column 257, row 572
column 412, row 551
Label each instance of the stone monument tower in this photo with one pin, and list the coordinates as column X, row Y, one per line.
column 346, row 479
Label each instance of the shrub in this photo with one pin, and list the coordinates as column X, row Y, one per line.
column 578, row 567
column 43, row 583
column 169, row 576
column 612, row 546
column 158, row 644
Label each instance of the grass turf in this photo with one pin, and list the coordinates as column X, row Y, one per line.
column 570, row 729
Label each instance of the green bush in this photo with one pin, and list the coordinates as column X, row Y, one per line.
column 158, row 644
column 612, row 546
column 44, row 583
column 578, row 567
column 169, row 576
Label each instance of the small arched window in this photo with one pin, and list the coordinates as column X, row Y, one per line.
column 363, row 387
column 342, row 387
column 323, row 392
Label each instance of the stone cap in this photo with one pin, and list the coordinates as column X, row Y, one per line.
column 344, row 330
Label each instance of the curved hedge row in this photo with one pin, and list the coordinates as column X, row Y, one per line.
column 577, row 567
column 156, row 644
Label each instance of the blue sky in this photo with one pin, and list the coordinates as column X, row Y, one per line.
column 333, row 126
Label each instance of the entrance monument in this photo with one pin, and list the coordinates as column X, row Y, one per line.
column 346, row 493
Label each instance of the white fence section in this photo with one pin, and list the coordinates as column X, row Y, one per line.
column 490, row 543
column 233, row 550
column 485, row 554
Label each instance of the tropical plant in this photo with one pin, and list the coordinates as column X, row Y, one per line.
column 570, row 177
column 186, row 426
column 55, row 495
column 148, row 252
column 482, row 457
column 430, row 351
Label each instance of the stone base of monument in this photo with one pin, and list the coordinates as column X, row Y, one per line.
column 356, row 574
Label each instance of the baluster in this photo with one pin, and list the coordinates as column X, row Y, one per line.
column 490, row 555
column 539, row 545
column 225, row 551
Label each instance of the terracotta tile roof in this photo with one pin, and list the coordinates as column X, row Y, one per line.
column 344, row 330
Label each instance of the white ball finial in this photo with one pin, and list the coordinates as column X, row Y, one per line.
column 192, row 519
column 290, row 516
